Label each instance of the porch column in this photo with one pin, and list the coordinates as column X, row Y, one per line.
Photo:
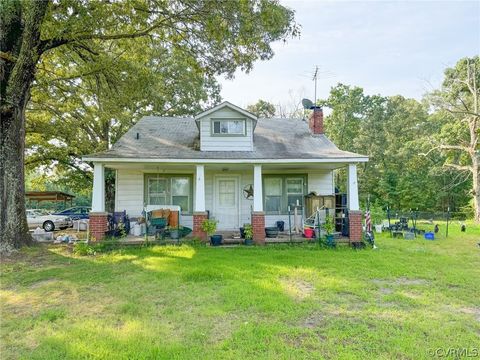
column 257, row 189
column 199, row 213
column 352, row 191
column 98, row 223
column 354, row 213
column 98, row 193
column 258, row 216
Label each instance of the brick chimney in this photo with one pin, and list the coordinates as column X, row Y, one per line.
column 316, row 121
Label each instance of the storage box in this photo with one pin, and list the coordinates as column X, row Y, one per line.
column 429, row 236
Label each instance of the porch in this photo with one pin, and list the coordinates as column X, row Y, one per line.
column 232, row 193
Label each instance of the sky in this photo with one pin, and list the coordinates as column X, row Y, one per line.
column 387, row 48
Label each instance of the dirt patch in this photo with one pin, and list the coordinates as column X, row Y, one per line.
column 475, row 311
column 43, row 283
column 400, row 282
column 313, row 320
column 385, row 291
column 297, row 288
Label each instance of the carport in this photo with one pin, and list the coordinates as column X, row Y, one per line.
column 54, row 196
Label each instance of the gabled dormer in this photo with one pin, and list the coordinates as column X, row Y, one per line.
column 226, row 127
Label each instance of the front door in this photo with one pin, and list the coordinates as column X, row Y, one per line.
column 226, row 203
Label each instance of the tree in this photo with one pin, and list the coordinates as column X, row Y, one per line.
column 217, row 37
column 262, row 109
column 458, row 139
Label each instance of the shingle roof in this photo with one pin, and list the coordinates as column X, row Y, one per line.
column 178, row 138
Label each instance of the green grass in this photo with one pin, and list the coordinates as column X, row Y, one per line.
column 275, row 302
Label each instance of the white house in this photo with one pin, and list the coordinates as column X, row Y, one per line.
column 207, row 163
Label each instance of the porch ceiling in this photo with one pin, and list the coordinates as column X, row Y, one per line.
column 171, row 167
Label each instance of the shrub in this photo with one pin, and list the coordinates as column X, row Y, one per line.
column 209, row 226
column 248, row 231
column 83, row 249
column 329, row 226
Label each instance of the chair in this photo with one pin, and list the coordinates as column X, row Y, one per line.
column 157, row 221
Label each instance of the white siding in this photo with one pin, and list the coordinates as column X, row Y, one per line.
column 220, row 143
column 129, row 192
column 321, row 182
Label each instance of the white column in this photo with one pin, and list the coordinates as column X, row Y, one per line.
column 257, row 188
column 199, row 188
column 352, row 185
column 98, row 193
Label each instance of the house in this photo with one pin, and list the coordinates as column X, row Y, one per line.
column 207, row 165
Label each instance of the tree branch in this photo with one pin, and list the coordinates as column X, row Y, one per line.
column 7, row 56
column 459, row 167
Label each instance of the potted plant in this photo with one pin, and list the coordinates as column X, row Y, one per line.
column 210, row 226
column 329, row 226
column 248, row 231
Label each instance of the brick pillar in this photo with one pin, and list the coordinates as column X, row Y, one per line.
column 98, row 225
column 258, row 225
column 355, row 225
column 198, row 218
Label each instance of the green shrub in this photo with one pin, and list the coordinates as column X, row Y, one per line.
column 248, row 231
column 209, row 226
column 83, row 249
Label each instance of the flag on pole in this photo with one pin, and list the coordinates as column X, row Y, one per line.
column 368, row 222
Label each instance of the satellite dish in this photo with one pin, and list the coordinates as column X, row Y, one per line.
column 307, row 104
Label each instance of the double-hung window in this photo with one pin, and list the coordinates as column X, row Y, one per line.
column 169, row 190
column 228, row 127
column 282, row 191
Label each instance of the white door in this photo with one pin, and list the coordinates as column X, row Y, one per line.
column 226, row 203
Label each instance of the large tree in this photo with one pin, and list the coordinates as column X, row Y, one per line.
column 217, row 37
column 262, row 109
column 458, row 139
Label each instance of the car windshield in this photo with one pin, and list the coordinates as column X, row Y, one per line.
column 41, row 212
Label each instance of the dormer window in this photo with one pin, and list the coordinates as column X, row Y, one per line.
column 225, row 127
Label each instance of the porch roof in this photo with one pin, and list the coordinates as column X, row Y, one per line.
column 172, row 138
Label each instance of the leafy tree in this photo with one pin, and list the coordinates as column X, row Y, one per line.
column 458, row 139
column 43, row 41
column 262, row 109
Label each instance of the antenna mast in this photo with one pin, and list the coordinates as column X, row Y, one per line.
column 315, row 76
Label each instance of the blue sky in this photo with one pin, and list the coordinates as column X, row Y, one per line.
column 385, row 47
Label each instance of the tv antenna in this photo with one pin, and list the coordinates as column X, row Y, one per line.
column 315, row 77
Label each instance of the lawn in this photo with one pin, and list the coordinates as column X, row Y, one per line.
column 403, row 300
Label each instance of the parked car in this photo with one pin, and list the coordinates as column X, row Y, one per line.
column 75, row 213
column 42, row 218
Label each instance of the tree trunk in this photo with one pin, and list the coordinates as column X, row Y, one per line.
column 476, row 187
column 20, row 41
column 13, row 223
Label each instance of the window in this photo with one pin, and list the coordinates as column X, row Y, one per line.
column 157, row 191
column 169, row 190
column 273, row 195
column 181, row 193
column 228, row 127
column 282, row 191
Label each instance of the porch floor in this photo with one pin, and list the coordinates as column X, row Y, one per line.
column 233, row 238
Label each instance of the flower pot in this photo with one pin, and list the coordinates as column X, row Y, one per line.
column 281, row 225
column 248, row 242
column 216, row 240
column 271, row 232
column 308, row 233
column 330, row 240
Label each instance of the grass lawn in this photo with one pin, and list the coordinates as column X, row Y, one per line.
column 279, row 302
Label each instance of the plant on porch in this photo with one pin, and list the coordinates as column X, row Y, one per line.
column 248, row 231
column 210, row 227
